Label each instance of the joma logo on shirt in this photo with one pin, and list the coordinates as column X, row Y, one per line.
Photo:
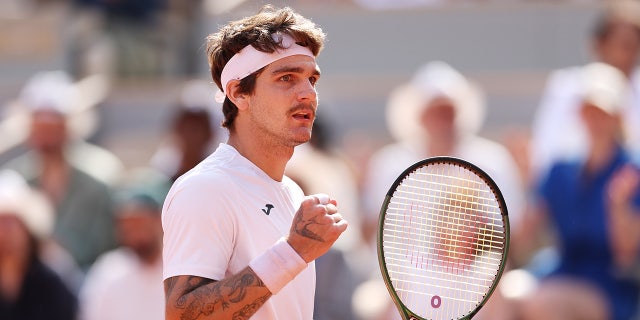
column 268, row 209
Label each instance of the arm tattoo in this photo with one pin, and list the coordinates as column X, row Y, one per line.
column 201, row 296
column 247, row 311
column 302, row 228
column 168, row 287
column 196, row 290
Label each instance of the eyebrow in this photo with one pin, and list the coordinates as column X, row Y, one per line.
column 287, row 69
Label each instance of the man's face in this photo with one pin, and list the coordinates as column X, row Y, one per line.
column 621, row 46
column 438, row 118
column 283, row 105
column 139, row 229
column 598, row 122
column 48, row 131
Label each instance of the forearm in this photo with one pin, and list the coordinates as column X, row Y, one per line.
column 625, row 234
column 236, row 297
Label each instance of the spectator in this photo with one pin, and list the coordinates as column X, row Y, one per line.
column 438, row 113
column 136, row 265
column 557, row 130
column 28, row 288
column 192, row 136
column 588, row 282
column 83, row 204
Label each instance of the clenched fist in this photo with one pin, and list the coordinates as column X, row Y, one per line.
column 315, row 227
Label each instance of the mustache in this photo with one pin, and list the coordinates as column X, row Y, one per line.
column 304, row 108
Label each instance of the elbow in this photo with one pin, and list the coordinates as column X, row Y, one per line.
column 170, row 312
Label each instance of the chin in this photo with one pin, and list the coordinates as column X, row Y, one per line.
column 301, row 134
column 298, row 142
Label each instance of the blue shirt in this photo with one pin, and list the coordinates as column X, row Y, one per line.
column 577, row 207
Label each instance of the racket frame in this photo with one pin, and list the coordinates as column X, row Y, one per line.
column 404, row 310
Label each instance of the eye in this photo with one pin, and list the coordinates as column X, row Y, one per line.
column 313, row 80
column 286, row 78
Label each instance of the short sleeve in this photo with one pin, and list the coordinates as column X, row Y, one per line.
column 199, row 228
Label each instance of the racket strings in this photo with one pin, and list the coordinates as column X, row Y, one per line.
column 443, row 236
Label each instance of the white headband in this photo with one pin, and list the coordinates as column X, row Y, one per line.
column 249, row 60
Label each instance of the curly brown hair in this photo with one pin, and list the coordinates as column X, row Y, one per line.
column 257, row 31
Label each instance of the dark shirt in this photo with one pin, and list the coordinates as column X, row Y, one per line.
column 577, row 207
column 43, row 296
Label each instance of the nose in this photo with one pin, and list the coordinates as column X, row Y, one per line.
column 307, row 91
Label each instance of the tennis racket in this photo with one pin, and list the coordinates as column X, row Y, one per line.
column 443, row 239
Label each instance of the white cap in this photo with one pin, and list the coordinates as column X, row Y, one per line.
column 434, row 79
column 199, row 94
column 28, row 205
column 50, row 91
column 604, row 86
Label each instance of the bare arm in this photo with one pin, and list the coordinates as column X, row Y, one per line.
column 530, row 234
column 236, row 297
column 624, row 219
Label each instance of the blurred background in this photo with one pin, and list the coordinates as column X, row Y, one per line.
column 104, row 103
column 508, row 47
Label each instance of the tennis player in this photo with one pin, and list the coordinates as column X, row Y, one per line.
column 240, row 238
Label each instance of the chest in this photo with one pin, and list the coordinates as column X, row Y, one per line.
column 578, row 208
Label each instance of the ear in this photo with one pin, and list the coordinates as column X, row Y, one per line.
column 234, row 94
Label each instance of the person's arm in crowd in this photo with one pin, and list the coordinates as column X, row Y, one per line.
column 624, row 216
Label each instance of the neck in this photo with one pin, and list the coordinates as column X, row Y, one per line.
column 54, row 177
column 269, row 157
column 441, row 145
column 150, row 257
column 600, row 155
column 12, row 272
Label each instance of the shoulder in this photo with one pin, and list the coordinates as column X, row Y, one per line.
column 561, row 172
column 202, row 184
column 114, row 261
column 194, row 196
column 564, row 74
column 396, row 154
column 486, row 151
column 47, row 282
column 563, row 81
column 108, row 267
column 97, row 161
column 85, row 180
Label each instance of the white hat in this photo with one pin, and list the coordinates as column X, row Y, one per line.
column 199, row 94
column 54, row 91
column 50, row 91
column 604, row 86
column 30, row 206
column 434, row 79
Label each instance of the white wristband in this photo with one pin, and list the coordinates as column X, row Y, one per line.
column 278, row 266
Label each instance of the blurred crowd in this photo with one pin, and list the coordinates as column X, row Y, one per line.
column 80, row 232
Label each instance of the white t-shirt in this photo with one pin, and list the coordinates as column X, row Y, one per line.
column 225, row 212
column 102, row 296
column 390, row 161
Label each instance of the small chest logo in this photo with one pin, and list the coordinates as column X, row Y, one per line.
column 268, row 208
